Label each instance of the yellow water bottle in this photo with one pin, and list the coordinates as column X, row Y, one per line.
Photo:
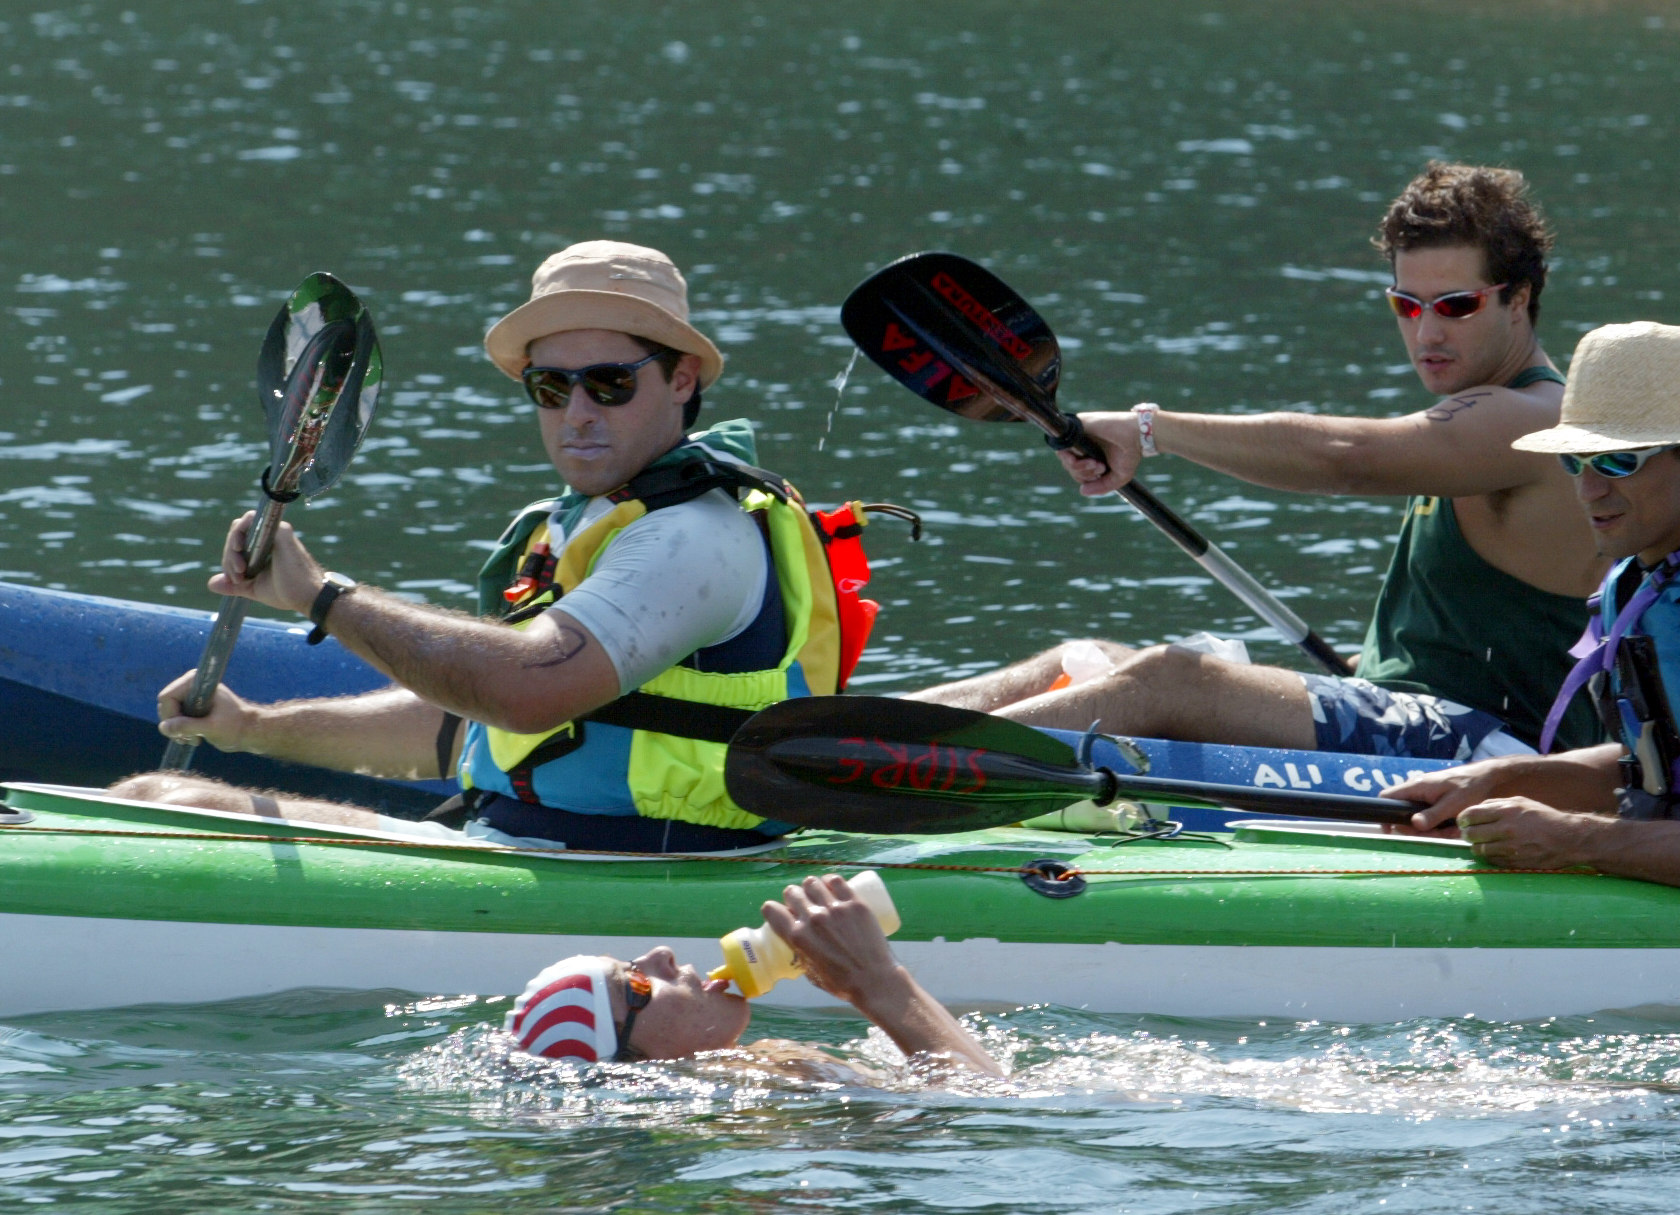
column 756, row 959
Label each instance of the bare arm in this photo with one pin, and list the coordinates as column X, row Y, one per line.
column 1521, row 833
column 526, row 680
column 1647, row 850
column 390, row 733
column 836, row 936
column 1460, row 448
column 1546, row 812
column 1583, row 780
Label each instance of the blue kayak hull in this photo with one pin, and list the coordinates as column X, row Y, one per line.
column 80, row 674
column 79, row 677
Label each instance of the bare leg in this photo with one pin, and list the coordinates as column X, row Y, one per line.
column 1012, row 684
column 1167, row 692
column 206, row 793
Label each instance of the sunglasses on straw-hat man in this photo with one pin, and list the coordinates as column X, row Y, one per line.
column 1622, row 394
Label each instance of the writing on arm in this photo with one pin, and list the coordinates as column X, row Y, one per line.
column 1453, row 406
column 569, row 642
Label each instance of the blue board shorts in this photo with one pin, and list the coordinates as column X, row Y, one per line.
column 1355, row 715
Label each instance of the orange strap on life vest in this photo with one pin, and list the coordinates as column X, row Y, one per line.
column 841, row 530
column 842, row 534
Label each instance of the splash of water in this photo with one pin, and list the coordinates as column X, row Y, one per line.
column 838, row 383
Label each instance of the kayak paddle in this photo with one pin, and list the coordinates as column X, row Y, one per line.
column 318, row 377
column 956, row 335
column 876, row 764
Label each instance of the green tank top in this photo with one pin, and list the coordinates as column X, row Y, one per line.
column 1450, row 624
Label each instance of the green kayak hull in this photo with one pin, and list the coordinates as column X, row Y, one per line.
column 105, row 902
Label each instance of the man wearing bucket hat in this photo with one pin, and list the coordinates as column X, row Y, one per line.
column 1615, row 807
column 694, row 593
column 1483, row 594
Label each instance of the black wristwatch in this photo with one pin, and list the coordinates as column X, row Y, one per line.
column 334, row 586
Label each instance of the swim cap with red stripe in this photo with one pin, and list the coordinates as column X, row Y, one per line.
column 565, row 1013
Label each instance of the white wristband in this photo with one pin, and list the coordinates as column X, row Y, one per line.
column 1146, row 427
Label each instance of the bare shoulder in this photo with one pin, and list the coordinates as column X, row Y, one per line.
column 1474, row 429
column 1497, row 409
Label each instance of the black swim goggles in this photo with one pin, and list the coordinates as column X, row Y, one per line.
column 1612, row 464
column 606, row 383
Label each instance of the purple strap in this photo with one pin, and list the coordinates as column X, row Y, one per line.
column 1597, row 652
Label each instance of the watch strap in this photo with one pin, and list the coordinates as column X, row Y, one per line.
column 334, row 586
column 1146, row 427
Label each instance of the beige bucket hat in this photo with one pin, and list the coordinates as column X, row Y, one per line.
column 603, row 284
column 1623, row 393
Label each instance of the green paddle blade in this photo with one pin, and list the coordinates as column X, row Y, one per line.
column 861, row 763
column 319, row 376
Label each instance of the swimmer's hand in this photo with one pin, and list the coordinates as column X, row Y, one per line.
column 845, row 953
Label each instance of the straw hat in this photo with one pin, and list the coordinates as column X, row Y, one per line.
column 603, row 284
column 1623, row 393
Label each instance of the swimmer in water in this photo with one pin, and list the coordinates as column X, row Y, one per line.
column 599, row 1009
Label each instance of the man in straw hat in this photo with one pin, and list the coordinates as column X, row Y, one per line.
column 1469, row 636
column 693, row 595
column 1613, row 807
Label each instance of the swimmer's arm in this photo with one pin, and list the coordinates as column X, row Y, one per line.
column 845, row 953
column 919, row 1024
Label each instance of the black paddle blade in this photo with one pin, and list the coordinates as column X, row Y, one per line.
column 956, row 335
column 319, row 376
column 864, row 763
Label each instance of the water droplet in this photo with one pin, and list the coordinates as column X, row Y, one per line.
column 839, row 384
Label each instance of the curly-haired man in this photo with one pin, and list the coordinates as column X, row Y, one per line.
column 1485, row 592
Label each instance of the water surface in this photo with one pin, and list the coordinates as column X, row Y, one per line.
column 364, row 1103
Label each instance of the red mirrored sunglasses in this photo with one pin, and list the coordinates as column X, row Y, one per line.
column 1454, row 305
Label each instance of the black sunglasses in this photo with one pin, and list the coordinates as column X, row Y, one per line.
column 638, row 991
column 606, row 383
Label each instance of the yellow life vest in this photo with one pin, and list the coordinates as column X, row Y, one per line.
column 659, row 751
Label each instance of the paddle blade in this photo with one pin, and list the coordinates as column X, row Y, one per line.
column 861, row 763
column 956, row 335
column 319, row 376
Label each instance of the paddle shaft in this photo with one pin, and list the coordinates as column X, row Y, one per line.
column 1030, row 402
column 902, row 769
column 310, row 396
column 218, row 647
column 1165, row 791
column 1215, row 561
